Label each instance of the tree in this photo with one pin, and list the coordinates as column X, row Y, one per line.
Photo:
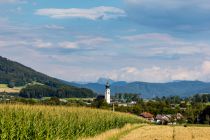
column 11, row 84
column 205, row 115
column 100, row 103
column 39, row 91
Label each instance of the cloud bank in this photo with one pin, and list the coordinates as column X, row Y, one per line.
column 179, row 15
column 96, row 13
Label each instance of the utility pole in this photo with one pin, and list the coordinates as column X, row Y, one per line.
column 113, row 107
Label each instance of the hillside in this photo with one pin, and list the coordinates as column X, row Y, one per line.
column 11, row 71
column 16, row 74
column 150, row 90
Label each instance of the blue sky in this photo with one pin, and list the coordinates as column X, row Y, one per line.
column 131, row 40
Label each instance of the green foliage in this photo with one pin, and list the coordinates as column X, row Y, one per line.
column 204, row 117
column 198, row 98
column 39, row 91
column 100, row 103
column 45, row 122
column 127, row 97
column 11, row 84
column 154, row 107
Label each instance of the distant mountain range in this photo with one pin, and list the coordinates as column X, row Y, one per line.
column 149, row 90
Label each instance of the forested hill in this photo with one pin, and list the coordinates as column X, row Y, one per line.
column 20, row 75
column 11, row 71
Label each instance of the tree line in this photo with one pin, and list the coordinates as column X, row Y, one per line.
column 39, row 91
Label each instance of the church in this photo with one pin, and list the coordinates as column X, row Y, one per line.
column 107, row 93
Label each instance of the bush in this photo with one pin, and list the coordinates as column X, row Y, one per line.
column 11, row 84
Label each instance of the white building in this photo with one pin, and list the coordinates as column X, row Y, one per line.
column 107, row 93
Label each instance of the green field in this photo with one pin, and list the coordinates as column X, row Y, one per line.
column 3, row 85
column 48, row 122
column 5, row 88
column 208, row 103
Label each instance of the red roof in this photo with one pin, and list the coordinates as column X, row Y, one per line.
column 146, row 115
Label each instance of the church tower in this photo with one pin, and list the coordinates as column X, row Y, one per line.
column 107, row 93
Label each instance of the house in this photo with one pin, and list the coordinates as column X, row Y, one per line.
column 168, row 119
column 162, row 119
column 147, row 116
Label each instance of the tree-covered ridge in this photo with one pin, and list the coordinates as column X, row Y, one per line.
column 39, row 91
column 16, row 74
column 20, row 75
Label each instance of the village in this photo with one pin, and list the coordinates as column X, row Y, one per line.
column 161, row 119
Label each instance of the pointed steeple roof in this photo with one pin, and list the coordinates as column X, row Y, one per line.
column 107, row 84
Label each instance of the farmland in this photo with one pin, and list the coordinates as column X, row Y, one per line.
column 5, row 88
column 151, row 132
column 54, row 122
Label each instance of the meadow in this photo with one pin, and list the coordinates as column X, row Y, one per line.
column 58, row 122
column 5, row 88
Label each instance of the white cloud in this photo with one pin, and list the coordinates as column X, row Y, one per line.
column 68, row 45
column 149, row 36
column 152, row 44
column 84, row 42
column 13, row 1
column 54, row 27
column 15, row 42
column 206, row 67
column 7, row 43
column 162, row 74
column 96, row 13
column 38, row 43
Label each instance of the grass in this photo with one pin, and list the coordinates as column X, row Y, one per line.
column 77, row 99
column 208, row 103
column 5, row 88
column 51, row 122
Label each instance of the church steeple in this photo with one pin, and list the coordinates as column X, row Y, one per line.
column 107, row 85
column 107, row 93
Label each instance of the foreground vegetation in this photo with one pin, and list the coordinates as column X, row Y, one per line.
column 51, row 122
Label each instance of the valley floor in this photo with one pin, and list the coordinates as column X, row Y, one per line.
column 154, row 132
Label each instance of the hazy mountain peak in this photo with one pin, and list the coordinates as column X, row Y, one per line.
column 103, row 80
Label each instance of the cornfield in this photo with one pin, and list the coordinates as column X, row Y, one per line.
column 38, row 122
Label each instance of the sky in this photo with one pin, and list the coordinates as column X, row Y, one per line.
column 126, row 40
